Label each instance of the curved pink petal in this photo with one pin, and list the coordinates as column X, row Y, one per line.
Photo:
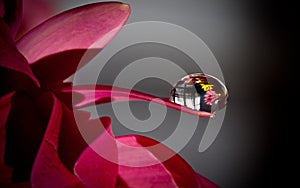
column 11, row 12
column 56, row 47
column 76, row 133
column 86, row 95
column 48, row 170
column 14, row 69
column 5, row 105
column 92, row 167
column 142, row 175
column 174, row 172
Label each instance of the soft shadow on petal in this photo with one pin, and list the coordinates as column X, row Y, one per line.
column 34, row 13
column 48, row 170
column 11, row 12
column 5, row 106
column 76, row 132
column 25, row 128
column 93, row 167
column 13, row 65
column 17, row 185
column 87, row 27
column 63, row 64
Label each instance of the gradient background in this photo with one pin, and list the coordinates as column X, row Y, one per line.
column 253, row 42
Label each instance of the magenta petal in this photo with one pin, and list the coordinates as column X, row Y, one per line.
column 93, row 168
column 86, row 95
column 5, row 105
column 65, row 38
column 205, row 183
column 34, row 13
column 13, row 65
column 147, row 151
column 76, row 132
column 182, row 172
column 136, row 171
column 11, row 12
column 48, row 170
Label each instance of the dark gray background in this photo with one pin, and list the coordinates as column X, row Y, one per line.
column 253, row 43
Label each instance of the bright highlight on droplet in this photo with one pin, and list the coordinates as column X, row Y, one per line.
column 200, row 92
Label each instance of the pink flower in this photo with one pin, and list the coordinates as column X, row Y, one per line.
column 210, row 97
column 40, row 143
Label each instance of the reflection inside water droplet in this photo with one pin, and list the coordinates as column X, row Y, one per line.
column 200, row 92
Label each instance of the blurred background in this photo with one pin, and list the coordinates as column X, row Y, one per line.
column 254, row 44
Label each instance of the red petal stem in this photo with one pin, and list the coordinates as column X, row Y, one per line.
column 86, row 95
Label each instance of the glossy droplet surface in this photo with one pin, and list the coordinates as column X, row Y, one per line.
column 200, row 92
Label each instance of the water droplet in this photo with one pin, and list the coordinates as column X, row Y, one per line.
column 200, row 92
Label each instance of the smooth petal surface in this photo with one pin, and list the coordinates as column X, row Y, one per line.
column 142, row 175
column 5, row 105
column 92, row 167
column 86, row 95
column 48, row 170
column 15, row 71
column 174, row 172
column 11, row 12
column 182, row 172
column 65, row 39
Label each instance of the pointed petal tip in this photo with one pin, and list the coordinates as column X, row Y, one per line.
column 125, row 7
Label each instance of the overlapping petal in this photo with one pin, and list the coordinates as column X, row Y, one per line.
column 93, row 167
column 174, row 172
column 59, row 44
column 15, row 72
column 11, row 12
column 25, row 128
column 42, row 139
column 5, row 106
column 34, row 13
column 48, row 170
